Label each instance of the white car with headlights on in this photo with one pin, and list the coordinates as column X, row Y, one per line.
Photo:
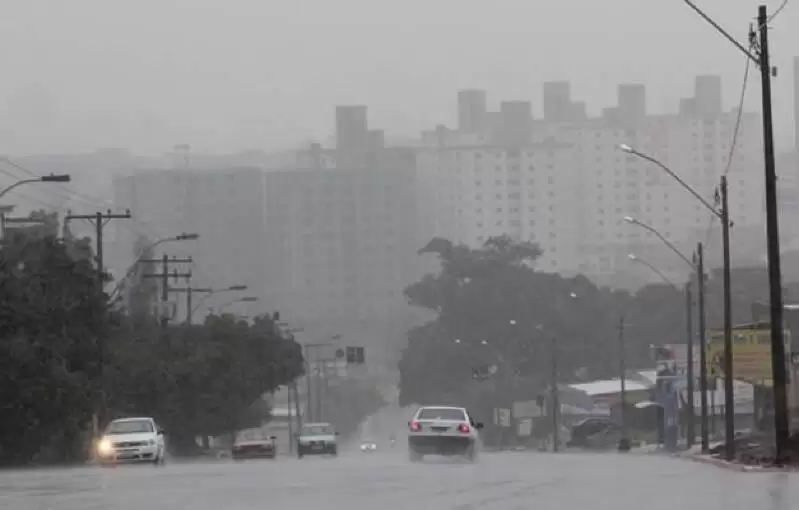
column 445, row 431
column 368, row 446
column 132, row 440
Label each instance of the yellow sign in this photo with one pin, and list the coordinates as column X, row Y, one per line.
column 751, row 354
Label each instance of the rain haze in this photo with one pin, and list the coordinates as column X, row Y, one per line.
column 431, row 254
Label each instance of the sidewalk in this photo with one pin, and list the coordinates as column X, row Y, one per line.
column 695, row 454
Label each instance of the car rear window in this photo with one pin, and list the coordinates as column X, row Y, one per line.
column 435, row 413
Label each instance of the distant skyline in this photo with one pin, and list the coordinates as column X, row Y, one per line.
column 240, row 74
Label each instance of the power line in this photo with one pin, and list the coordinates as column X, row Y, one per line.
column 736, row 130
column 70, row 195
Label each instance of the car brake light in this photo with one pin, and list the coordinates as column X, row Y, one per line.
column 463, row 428
column 415, row 427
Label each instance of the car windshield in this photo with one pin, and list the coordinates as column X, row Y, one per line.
column 317, row 430
column 130, row 427
column 252, row 435
column 438, row 413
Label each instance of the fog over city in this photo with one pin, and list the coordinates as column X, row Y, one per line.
column 242, row 74
column 508, row 254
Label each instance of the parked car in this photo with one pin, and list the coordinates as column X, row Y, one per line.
column 599, row 433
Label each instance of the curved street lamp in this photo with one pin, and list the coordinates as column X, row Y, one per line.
column 633, row 221
column 245, row 299
column 652, row 268
column 192, row 236
column 44, row 178
column 723, row 214
column 208, row 293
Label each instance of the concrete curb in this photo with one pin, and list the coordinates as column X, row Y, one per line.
column 733, row 466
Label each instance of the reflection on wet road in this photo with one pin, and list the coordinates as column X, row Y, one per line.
column 387, row 481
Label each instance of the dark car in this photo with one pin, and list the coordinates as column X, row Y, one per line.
column 254, row 446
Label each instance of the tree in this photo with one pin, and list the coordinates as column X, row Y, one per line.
column 202, row 380
column 498, row 318
column 52, row 318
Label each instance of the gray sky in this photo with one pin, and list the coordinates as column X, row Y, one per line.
column 224, row 75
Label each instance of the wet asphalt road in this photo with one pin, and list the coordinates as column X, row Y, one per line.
column 387, row 481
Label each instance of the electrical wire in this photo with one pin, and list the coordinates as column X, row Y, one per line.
column 734, row 141
column 777, row 12
column 70, row 194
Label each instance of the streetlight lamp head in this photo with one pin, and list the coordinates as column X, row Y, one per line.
column 512, row 322
column 572, row 295
column 240, row 287
column 629, row 219
column 188, row 237
column 56, row 178
column 632, row 256
column 457, row 341
column 248, row 299
column 625, row 147
column 483, row 342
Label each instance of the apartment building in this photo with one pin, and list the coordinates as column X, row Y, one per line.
column 224, row 206
column 562, row 181
column 342, row 232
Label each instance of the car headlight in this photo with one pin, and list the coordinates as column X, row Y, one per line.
column 104, row 447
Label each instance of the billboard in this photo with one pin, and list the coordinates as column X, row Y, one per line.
column 751, row 353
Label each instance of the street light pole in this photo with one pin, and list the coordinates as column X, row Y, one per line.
column 779, row 376
column 700, row 283
column 690, row 429
column 44, row 178
column 624, row 442
column 729, row 400
column 555, row 397
column 723, row 215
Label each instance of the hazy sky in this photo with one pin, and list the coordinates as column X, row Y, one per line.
column 224, row 75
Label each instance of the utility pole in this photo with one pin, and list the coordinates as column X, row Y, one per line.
column 308, row 384
column 624, row 442
column 555, row 397
column 99, row 220
column 700, row 283
column 164, row 275
column 729, row 400
column 690, row 430
column 778, row 363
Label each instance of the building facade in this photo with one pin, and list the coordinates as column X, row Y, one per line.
column 566, row 185
column 224, row 206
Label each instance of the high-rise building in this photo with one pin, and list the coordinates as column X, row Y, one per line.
column 570, row 188
column 471, row 110
column 225, row 207
column 343, row 230
column 707, row 93
column 558, row 105
column 351, row 127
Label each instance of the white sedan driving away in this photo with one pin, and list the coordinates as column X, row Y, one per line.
column 443, row 431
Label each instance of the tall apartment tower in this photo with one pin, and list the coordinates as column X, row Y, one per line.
column 707, row 95
column 632, row 102
column 557, row 101
column 471, row 110
column 352, row 132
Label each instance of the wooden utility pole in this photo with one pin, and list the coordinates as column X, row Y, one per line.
column 164, row 275
column 99, row 220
